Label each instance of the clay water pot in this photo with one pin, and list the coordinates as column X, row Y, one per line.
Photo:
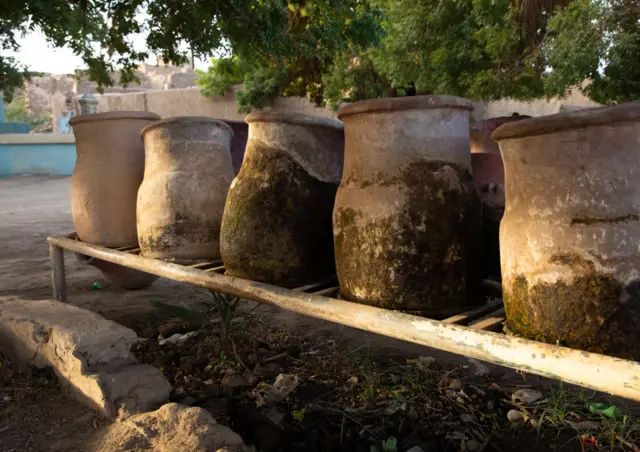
column 238, row 142
column 570, row 234
column 108, row 173
column 488, row 175
column 105, row 182
column 187, row 176
column 480, row 133
column 407, row 211
column 276, row 226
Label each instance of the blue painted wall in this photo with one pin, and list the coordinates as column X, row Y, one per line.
column 37, row 158
column 14, row 127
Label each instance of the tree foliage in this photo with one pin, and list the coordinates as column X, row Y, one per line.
column 599, row 41
column 330, row 50
column 494, row 49
column 293, row 38
column 293, row 59
column 481, row 49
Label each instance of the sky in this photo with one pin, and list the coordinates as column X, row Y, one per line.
column 40, row 56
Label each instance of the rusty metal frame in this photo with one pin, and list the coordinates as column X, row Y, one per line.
column 602, row 373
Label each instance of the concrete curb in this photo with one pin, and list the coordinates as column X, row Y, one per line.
column 89, row 354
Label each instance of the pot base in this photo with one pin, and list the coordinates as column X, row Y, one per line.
column 592, row 311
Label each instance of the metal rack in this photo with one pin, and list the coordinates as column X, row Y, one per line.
column 468, row 333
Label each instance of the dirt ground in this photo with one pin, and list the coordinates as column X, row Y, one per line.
column 34, row 207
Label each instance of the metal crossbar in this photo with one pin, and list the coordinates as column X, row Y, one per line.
column 464, row 334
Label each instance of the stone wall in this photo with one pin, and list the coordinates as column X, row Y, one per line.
column 47, row 94
column 189, row 102
column 575, row 100
column 39, row 90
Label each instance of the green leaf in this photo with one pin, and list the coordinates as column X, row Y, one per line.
column 298, row 415
column 603, row 409
column 390, row 444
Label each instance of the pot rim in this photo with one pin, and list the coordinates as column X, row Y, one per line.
column 186, row 120
column 293, row 118
column 111, row 115
column 476, row 125
column 389, row 104
column 558, row 122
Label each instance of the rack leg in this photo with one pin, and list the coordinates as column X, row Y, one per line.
column 58, row 276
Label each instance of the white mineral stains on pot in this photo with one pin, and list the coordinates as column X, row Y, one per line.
column 570, row 229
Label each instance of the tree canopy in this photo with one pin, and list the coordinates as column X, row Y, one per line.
column 286, row 42
column 494, row 49
column 330, row 50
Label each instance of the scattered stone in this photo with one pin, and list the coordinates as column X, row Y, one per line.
column 480, row 370
column 526, row 396
column 415, row 449
column 89, row 354
column 233, row 380
column 585, row 426
column 284, row 385
column 173, row 327
column 178, row 339
column 425, row 362
column 515, row 417
column 188, row 401
column 394, row 408
column 171, row 428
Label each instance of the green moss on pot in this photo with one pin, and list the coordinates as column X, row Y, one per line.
column 421, row 259
column 276, row 226
column 591, row 311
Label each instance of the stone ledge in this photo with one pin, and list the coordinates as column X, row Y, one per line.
column 37, row 138
column 89, row 354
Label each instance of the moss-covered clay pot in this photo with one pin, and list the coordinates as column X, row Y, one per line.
column 277, row 221
column 407, row 214
column 187, row 176
column 570, row 235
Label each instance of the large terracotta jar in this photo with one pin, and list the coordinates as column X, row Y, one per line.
column 488, row 174
column 238, row 143
column 480, row 133
column 570, row 235
column 108, row 173
column 277, row 221
column 407, row 214
column 187, row 176
column 104, row 186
